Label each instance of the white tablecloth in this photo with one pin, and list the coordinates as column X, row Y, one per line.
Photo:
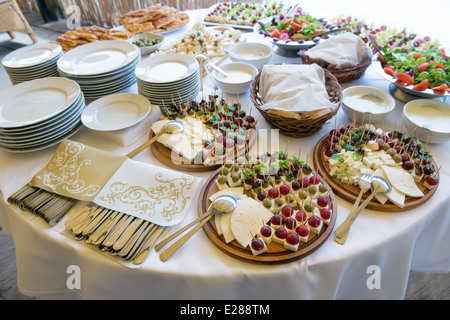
column 381, row 245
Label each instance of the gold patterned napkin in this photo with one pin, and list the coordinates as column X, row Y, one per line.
column 149, row 192
column 77, row 171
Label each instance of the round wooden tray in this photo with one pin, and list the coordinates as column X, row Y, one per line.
column 350, row 192
column 276, row 253
column 164, row 154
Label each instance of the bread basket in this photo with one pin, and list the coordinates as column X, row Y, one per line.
column 299, row 124
column 342, row 75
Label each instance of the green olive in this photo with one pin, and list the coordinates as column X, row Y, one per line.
column 222, row 179
column 278, row 202
column 267, row 203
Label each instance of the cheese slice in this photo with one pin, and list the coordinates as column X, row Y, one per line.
column 225, row 223
column 247, row 219
column 402, row 181
column 395, row 196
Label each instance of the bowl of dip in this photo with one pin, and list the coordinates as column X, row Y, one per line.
column 240, row 77
column 430, row 119
column 254, row 53
column 366, row 103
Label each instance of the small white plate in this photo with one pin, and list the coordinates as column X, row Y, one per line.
column 36, row 100
column 32, row 55
column 166, row 68
column 98, row 57
column 116, row 112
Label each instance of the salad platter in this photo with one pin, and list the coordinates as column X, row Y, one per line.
column 403, row 161
column 420, row 73
column 214, row 131
column 294, row 32
column 241, row 15
column 286, row 210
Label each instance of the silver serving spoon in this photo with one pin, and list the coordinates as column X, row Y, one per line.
column 378, row 185
column 203, row 57
column 222, row 204
column 172, row 127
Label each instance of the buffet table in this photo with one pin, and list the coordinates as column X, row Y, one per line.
column 374, row 263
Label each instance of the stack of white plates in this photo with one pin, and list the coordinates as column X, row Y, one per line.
column 39, row 113
column 32, row 62
column 102, row 67
column 168, row 77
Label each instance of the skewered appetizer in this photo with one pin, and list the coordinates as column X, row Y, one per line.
column 289, row 189
column 214, row 131
column 403, row 161
column 247, row 13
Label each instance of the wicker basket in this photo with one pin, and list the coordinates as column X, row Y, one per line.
column 342, row 75
column 299, row 124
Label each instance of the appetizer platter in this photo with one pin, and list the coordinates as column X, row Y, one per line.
column 348, row 152
column 212, row 41
column 155, row 18
column 286, row 210
column 241, row 15
column 214, row 131
column 295, row 32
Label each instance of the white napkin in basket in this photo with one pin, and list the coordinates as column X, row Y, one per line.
column 340, row 52
column 291, row 87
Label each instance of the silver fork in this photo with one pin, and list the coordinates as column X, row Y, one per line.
column 365, row 183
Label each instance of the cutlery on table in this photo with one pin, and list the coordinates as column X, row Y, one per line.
column 222, row 204
column 378, row 185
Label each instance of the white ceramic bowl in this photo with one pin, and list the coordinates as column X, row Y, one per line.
column 421, row 115
column 374, row 115
column 237, row 84
column 146, row 50
column 242, row 52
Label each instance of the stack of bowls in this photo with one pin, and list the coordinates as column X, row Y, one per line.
column 39, row 113
column 102, row 67
column 32, row 62
column 168, row 78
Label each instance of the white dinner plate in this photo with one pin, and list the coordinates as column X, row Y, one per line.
column 44, row 130
column 56, row 132
column 32, row 55
column 166, row 68
column 98, row 57
column 36, row 100
column 45, row 145
column 116, row 112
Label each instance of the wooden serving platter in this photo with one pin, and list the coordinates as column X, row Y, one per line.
column 276, row 253
column 350, row 192
column 164, row 155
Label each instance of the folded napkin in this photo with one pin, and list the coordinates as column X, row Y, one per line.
column 152, row 193
column 340, row 52
column 142, row 190
column 77, row 171
column 295, row 88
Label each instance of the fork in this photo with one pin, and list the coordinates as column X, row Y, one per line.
column 365, row 183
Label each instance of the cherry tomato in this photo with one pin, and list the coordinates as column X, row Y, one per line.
column 423, row 66
column 439, row 65
column 421, row 86
column 284, row 36
column 418, row 55
column 275, row 34
column 404, row 78
column 296, row 26
column 388, row 71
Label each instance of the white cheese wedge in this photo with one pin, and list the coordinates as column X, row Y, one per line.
column 402, row 181
column 247, row 220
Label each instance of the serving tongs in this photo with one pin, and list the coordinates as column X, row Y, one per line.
column 376, row 47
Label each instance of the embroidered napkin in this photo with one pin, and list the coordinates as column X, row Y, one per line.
column 149, row 192
column 297, row 88
column 77, row 171
column 142, row 190
column 340, row 52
